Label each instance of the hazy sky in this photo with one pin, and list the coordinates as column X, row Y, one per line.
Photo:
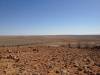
column 41, row 17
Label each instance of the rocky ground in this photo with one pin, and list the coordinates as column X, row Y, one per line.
column 49, row 60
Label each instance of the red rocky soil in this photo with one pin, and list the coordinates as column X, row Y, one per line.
column 49, row 60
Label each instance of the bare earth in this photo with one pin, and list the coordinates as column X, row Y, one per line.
column 49, row 55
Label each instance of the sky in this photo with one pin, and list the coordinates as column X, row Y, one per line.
column 49, row 17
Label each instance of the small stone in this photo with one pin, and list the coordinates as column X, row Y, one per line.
column 80, row 69
column 57, row 71
column 35, row 50
column 76, row 64
column 97, row 65
column 97, row 73
column 64, row 72
column 36, row 74
column 10, row 57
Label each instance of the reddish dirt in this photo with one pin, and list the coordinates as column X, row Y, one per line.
column 50, row 55
column 49, row 60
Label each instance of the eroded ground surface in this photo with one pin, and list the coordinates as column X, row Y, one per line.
column 49, row 60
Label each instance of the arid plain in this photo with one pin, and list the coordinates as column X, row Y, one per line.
column 50, row 55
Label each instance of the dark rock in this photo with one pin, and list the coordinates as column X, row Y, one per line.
column 97, row 73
